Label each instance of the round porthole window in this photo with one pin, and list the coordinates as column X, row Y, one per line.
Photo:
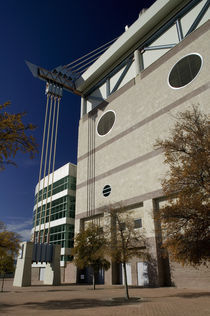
column 106, row 123
column 185, row 70
column 106, row 190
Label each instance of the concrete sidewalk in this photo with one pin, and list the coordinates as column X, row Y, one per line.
column 82, row 300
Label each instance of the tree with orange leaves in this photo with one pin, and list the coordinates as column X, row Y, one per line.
column 13, row 137
column 185, row 218
column 9, row 246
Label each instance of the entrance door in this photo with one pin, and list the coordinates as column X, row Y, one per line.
column 100, row 276
column 142, row 272
column 129, row 277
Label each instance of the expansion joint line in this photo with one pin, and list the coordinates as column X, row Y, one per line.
column 91, row 166
column 88, row 170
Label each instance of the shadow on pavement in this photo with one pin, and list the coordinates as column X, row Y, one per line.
column 191, row 295
column 188, row 295
column 69, row 304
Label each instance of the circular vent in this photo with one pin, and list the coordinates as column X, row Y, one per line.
column 106, row 123
column 185, row 70
column 106, row 190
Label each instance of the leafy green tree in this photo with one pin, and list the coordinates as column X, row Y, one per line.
column 185, row 217
column 6, row 266
column 125, row 241
column 13, row 136
column 90, row 250
column 9, row 246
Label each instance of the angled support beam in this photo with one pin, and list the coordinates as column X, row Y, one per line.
column 148, row 42
column 122, row 76
column 159, row 47
column 166, row 26
column 92, row 97
column 112, row 73
column 199, row 17
column 179, row 30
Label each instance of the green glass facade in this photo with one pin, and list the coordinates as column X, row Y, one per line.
column 62, row 207
column 68, row 182
column 61, row 234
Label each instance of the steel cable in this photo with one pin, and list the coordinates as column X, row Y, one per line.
column 45, row 165
column 40, row 169
column 53, row 168
column 49, row 166
column 73, row 62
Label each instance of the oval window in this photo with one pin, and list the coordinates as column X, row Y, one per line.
column 185, row 70
column 106, row 190
column 106, row 123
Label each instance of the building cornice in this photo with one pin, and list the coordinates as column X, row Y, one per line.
column 157, row 14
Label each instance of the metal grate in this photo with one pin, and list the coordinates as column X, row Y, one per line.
column 185, row 70
column 106, row 123
column 106, row 190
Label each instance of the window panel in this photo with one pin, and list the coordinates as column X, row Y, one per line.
column 138, row 223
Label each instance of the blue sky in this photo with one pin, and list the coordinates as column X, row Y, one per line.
column 48, row 33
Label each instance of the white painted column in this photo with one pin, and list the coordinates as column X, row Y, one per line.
column 23, row 266
column 107, row 87
column 129, row 275
column 137, row 61
column 52, row 270
column 83, row 107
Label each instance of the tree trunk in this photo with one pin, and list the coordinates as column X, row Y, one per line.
column 126, row 281
column 94, row 280
column 2, row 283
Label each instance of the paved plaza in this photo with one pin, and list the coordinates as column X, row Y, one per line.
column 82, row 300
